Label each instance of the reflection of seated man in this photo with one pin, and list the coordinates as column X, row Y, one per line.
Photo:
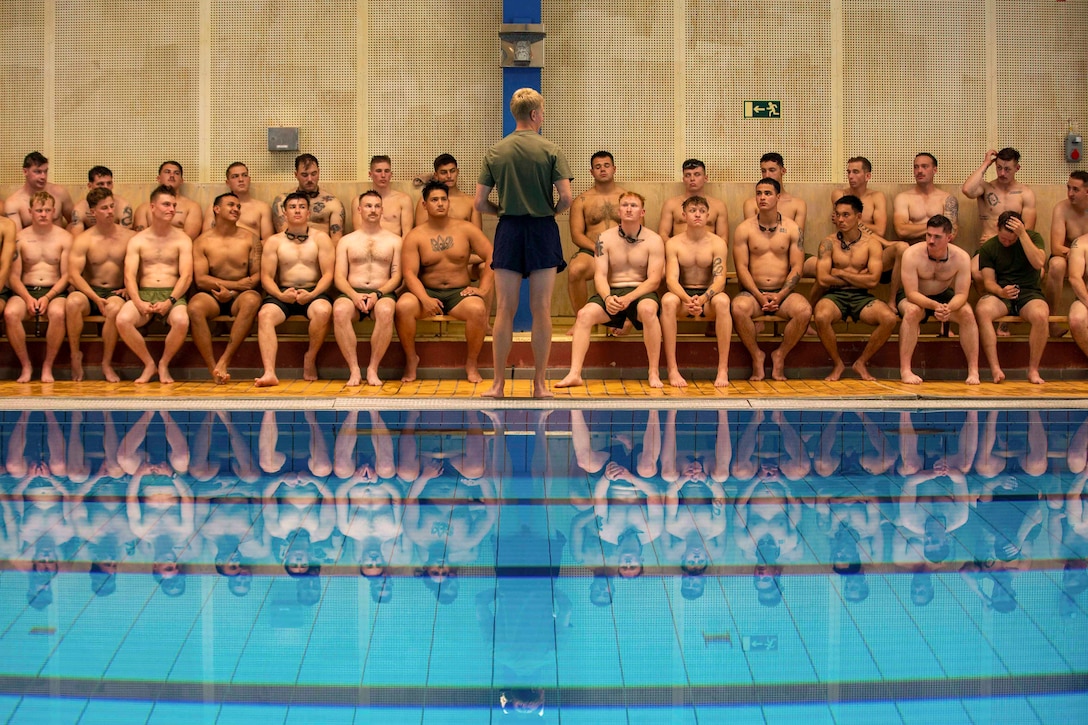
column 38, row 281
column 769, row 254
column 96, row 270
column 695, row 511
column 936, row 281
column 849, row 268
column 227, row 269
column 158, row 271
column 630, row 266
column 296, row 273
column 161, row 515
column 930, row 519
column 1010, row 265
column 791, row 462
column 630, row 514
column 99, row 177
column 695, row 277
column 368, row 503
column 766, row 532
column 187, row 217
column 435, row 259
column 367, row 274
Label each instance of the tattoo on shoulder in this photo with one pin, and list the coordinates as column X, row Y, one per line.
column 335, row 229
column 718, row 268
column 825, row 248
column 599, row 248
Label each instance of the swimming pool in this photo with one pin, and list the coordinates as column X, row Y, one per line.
column 601, row 567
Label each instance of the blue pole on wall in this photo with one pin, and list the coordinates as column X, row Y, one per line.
column 519, row 11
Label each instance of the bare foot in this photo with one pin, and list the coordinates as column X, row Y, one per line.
column 27, row 373
column 267, row 380
column 164, row 374
column 77, row 367
column 757, row 367
column 497, row 390
column 1058, row 330
column 722, row 380
column 972, row 378
column 47, row 375
column 1033, row 377
column 1003, row 329
column 473, row 374
column 147, row 374
column 220, row 374
column 540, row 390
column 355, row 379
column 810, row 331
column 627, row 327
column 372, row 378
column 778, row 365
column 676, row 379
column 998, row 374
column 570, row 381
column 410, row 366
column 110, row 374
column 836, row 373
column 908, row 377
column 860, row 369
column 655, row 381
column 309, row 367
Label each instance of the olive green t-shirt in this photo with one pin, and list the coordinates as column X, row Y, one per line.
column 1010, row 264
column 523, row 168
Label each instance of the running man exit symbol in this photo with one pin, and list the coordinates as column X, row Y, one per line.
column 763, row 109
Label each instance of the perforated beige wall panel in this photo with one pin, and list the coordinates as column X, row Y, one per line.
column 128, row 87
column 22, row 78
column 289, row 64
column 1042, row 67
column 608, row 85
column 739, row 52
column 914, row 80
column 434, row 84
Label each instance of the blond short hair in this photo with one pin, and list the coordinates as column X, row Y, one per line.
column 524, row 102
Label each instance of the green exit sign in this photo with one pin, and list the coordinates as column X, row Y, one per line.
column 763, row 109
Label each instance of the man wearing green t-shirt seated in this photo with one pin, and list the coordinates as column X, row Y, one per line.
column 1011, row 263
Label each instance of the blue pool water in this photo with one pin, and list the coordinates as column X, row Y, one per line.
column 601, row 567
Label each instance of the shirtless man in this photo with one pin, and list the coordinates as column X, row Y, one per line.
column 769, row 255
column 367, row 274
column 187, row 215
column 296, row 273
column 1068, row 221
column 672, row 213
column 96, row 271
column 256, row 215
column 461, row 206
column 158, row 272
column 326, row 213
column 1003, row 193
column 849, row 268
column 8, row 231
column 912, row 209
column 630, row 267
column 1010, row 262
column 227, row 272
column 39, row 279
column 859, row 171
column 397, row 211
column 435, row 259
column 99, row 177
column 695, row 278
column 1078, row 311
column 36, row 175
column 772, row 166
column 936, row 281
column 594, row 210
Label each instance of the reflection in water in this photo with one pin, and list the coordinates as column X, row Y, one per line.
column 542, row 516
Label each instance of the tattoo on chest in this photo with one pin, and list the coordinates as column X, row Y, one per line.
column 319, row 206
column 441, row 243
column 992, row 199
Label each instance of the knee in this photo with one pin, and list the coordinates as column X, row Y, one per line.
column 911, row 312
column 320, row 311
column 720, row 304
column 670, row 303
column 343, row 311
column 647, row 310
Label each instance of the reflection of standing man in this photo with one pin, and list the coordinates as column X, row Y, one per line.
column 524, row 167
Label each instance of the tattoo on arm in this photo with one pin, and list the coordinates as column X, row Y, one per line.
column 599, row 248
column 952, row 208
column 825, row 248
column 719, row 268
column 801, row 239
column 709, row 294
column 791, row 283
column 335, row 229
column 1073, row 244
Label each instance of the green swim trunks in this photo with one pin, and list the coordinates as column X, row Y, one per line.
column 582, row 250
column 39, row 292
column 943, row 297
column 631, row 313
column 850, row 301
column 106, row 292
column 159, row 294
column 449, row 298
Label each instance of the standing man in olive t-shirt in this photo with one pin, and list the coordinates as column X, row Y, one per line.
column 524, row 167
column 1010, row 264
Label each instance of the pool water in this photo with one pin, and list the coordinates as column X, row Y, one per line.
column 617, row 566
